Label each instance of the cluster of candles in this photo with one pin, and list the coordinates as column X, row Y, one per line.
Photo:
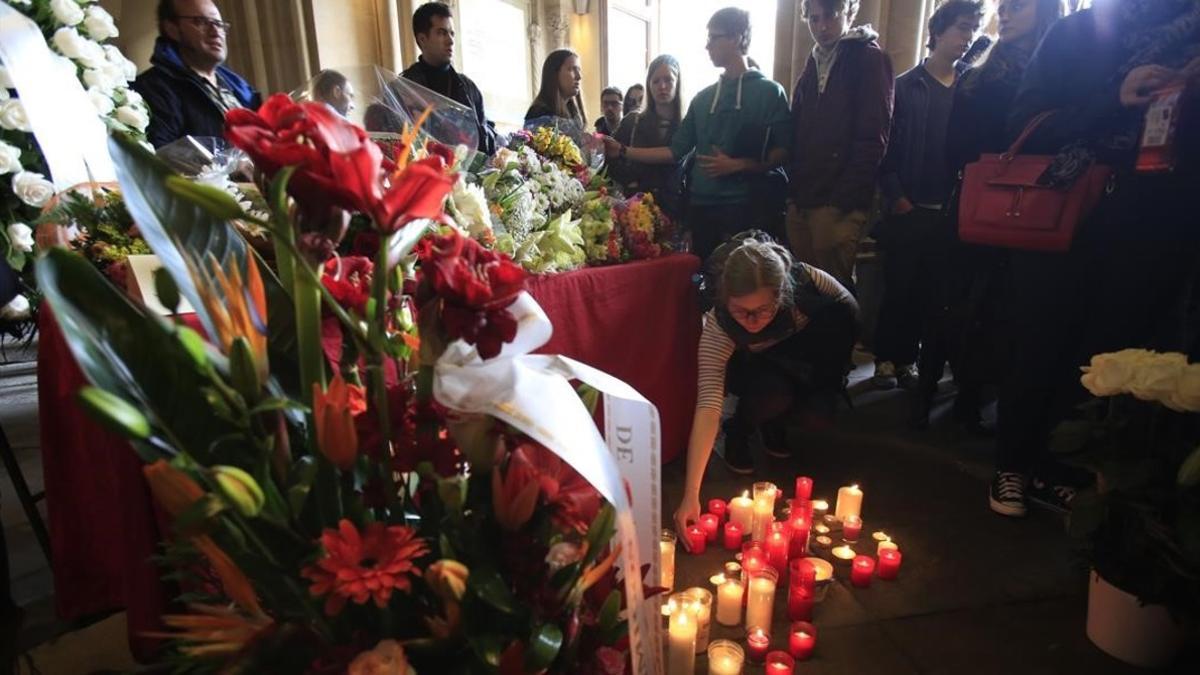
column 768, row 550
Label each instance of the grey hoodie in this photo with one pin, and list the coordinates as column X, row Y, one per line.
column 826, row 57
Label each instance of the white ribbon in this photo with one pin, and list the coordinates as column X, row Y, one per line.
column 73, row 139
column 532, row 393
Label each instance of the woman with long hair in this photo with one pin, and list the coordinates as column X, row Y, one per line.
column 653, row 127
column 776, row 338
column 559, row 94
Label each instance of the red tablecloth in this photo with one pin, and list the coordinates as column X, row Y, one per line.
column 638, row 322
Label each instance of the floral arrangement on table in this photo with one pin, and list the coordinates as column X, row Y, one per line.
column 1140, row 523
column 77, row 32
column 328, row 515
column 104, row 231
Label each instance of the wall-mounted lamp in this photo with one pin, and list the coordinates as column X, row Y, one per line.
column 581, row 6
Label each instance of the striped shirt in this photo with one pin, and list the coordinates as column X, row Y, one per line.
column 716, row 346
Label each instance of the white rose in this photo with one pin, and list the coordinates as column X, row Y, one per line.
column 12, row 116
column 20, row 236
column 100, row 24
column 4, row 95
column 6, row 79
column 17, row 308
column 101, row 101
column 68, row 12
column 1109, row 374
column 1155, row 379
column 10, row 158
column 32, row 188
column 97, row 78
column 133, row 116
column 71, row 44
column 117, row 60
column 1186, row 397
column 131, row 97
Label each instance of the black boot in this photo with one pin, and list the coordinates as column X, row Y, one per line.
column 737, row 448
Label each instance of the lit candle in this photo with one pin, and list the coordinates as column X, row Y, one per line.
column 741, row 511
column 843, row 554
column 861, row 571
column 780, row 663
column 729, row 602
column 823, row 541
column 802, row 639
column 889, row 563
column 886, row 545
column 881, row 536
column 758, row 642
column 821, row 528
column 823, row 568
column 804, row 486
column 666, row 565
column 777, row 550
column 702, row 602
column 696, row 539
column 849, row 502
column 764, row 515
column 725, row 657
column 761, row 597
column 819, row 508
column 851, row 528
column 801, row 573
column 733, row 535
column 798, row 544
column 710, row 523
column 800, row 603
column 681, row 651
column 717, row 507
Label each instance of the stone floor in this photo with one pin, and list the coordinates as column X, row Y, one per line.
column 978, row 593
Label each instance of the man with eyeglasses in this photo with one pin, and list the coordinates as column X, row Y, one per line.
column 187, row 88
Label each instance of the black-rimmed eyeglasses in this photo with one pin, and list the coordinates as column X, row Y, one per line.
column 203, row 22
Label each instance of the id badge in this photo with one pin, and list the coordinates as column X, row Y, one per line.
column 1156, row 151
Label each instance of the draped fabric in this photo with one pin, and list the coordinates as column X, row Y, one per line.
column 902, row 26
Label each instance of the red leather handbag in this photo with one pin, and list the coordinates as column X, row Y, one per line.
column 1003, row 205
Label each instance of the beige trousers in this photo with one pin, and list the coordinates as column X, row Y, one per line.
column 827, row 238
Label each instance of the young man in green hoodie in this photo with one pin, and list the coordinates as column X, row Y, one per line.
column 740, row 129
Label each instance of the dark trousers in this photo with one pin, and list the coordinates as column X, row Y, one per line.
column 915, row 269
column 1125, row 283
column 803, row 371
column 714, row 224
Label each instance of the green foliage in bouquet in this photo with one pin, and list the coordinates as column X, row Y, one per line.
column 1140, row 524
column 322, row 525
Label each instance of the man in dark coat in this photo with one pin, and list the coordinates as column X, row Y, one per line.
column 433, row 27
column 187, row 88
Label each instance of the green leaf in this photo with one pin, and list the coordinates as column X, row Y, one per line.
column 114, row 412
column 215, row 201
column 490, row 587
column 273, row 404
column 199, row 514
column 543, row 647
column 1189, row 470
column 131, row 354
column 600, row 532
column 610, row 611
column 1071, row 437
column 168, row 292
column 589, row 395
column 243, row 370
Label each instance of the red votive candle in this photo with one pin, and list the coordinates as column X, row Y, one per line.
column 780, row 663
column 733, row 536
column 861, row 570
column 851, row 528
column 710, row 523
column 758, row 643
column 798, row 544
column 697, row 539
column 804, row 486
column 800, row 603
column 802, row 640
column 777, row 550
column 754, row 559
column 802, row 574
column 717, row 507
column 889, row 563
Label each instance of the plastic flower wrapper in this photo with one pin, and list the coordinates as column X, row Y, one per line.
column 401, row 103
column 214, row 162
column 468, row 206
column 645, row 229
column 586, row 142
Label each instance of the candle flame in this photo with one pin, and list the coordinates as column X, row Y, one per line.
column 745, row 494
column 854, row 487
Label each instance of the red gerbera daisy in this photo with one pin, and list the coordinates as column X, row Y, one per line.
column 358, row 566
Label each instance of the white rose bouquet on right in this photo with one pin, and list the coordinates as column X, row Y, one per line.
column 1165, row 378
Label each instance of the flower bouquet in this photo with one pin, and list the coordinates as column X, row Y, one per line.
column 361, row 493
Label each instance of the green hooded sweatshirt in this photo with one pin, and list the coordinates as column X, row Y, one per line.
column 745, row 116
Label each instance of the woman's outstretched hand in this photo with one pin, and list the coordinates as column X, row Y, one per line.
column 687, row 513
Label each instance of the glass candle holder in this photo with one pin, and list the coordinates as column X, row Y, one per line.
column 758, row 643
column 733, row 536
column 851, row 528
column 725, row 657
column 681, row 640
column 666, row 565
column 718, row 507
column 802, row 640
column 861, row 571
column 779, row 663
column 729, row 601
column 711, row 524
column 760, row 596
column 702, row 605
column 889, row 564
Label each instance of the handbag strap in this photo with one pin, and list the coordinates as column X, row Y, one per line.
column 1034, row 123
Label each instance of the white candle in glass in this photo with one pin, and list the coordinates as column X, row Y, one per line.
column 764, row 515
column 666, row 550
column 741, row 511
column 681, row 635
column 725, row 657
column 761, row 601
column 729, row 602
column 702, row 603
column 849, row 502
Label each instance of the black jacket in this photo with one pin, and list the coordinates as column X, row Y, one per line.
column 454, row 85
column 978, row 118
column 179, row 104
column 905, row 164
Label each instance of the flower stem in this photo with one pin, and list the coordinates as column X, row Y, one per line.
column 306, row 297
column 376, row 338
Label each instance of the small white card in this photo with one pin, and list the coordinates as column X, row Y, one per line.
column 141, row 285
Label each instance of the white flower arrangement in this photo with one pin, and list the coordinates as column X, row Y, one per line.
column 1165, row 378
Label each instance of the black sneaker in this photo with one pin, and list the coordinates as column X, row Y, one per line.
column 1057, row 498
column 737, row 453
column 774, row 436
column 1007, row 494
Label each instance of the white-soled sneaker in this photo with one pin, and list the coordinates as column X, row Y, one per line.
column 1007, row 494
